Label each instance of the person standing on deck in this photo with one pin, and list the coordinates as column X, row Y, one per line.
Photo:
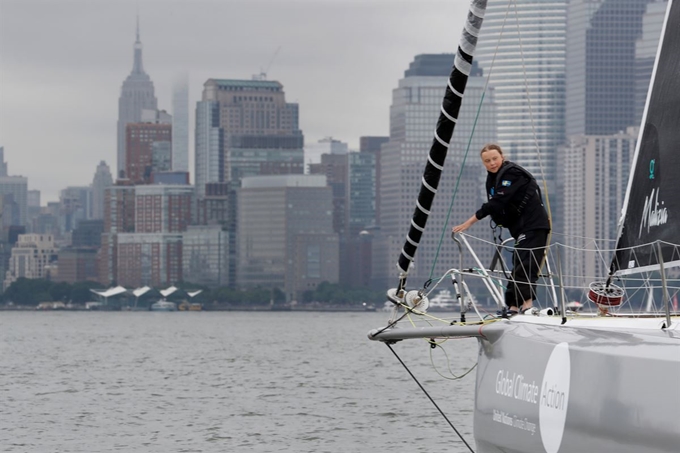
column 514, row 202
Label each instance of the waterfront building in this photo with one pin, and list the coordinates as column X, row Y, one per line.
column 119, row 217
column 137, row 94
column 414, row 112
column 356, row 246
column 218, row 207
column 180, row 124
column 101, row 181
column 77, row 264
column 206, row 255
column 285, row 234
column 119, row 211
column 522, row 48
column 152, row 255
column 30, row 258
column 151, row 259
column 591, row 188
column 161, row 208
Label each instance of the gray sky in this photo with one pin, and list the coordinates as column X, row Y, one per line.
column 62, row 63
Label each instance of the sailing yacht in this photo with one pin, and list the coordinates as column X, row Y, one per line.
column 555, row 380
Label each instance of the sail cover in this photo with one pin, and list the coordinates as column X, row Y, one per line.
column 651, row 212
column 443, row 132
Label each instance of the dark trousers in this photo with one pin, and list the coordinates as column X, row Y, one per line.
column 527, row 258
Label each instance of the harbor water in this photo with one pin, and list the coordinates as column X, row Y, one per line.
column 225, row 382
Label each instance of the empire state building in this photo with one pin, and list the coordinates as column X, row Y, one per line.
column 137, row 94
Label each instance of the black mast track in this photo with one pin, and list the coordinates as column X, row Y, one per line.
column 442, row 136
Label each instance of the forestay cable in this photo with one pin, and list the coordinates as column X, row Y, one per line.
column 430, row 398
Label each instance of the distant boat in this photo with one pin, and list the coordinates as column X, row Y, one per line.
column 164, row 305
column 51, row 306
column 186, row 306
column 442, row 301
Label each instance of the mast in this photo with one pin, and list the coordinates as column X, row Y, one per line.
column 442, row 136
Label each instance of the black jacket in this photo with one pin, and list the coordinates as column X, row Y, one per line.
column 515, row 200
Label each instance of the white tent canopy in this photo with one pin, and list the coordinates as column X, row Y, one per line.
column 110, row 292
column 141, row 291
column 168, row 291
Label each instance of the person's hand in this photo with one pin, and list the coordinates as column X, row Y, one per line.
column 460, row 228
column 465, row 225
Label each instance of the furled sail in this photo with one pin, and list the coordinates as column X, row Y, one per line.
column 443, row 132
column 651, row 213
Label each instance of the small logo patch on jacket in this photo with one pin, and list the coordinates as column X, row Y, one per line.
column 506, row 183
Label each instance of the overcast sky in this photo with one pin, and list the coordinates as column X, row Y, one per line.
column 62, row 63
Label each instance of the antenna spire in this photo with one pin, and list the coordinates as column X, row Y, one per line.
column 138, row 67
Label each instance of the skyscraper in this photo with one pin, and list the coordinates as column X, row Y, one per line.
column 142, row 141
column 137, row 94
column 286, row 238
column 250, row 126
column 3, row 164
column 328, row 145
column 14, row 193
column 599, row 166
column 601, row 39
column 373, row 145
column 209, row 149
column 415, row 108
column 101, row 181
column 645, row 53
column 180, row 125
column 522, row 48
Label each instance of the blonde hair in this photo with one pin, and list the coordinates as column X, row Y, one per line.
column 491, row 146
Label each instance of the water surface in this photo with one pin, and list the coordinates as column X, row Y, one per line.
column 223, row 382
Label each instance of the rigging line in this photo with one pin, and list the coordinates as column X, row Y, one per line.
column 472, row 133
column 430, row 398
column 453, row 377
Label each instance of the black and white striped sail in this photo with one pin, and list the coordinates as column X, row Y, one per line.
column 651, row 213
column 443, row 132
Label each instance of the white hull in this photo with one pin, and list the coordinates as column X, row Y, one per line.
column 590, row 385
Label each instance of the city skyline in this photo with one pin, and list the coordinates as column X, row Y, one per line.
column 61, row 71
